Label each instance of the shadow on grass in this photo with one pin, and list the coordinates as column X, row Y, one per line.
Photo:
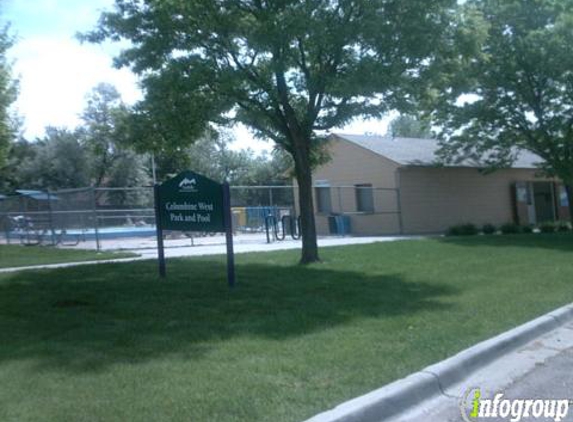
column 87, row 318
column 554, row 241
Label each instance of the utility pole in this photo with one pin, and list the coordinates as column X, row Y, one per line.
column 153, row 169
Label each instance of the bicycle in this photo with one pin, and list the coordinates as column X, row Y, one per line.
column 31, row 235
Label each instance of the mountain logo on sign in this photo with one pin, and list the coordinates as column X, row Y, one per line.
column 188, row 185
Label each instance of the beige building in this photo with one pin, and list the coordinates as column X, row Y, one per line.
column 378, row 185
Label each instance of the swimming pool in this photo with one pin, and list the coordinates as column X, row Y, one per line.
column 102, row 233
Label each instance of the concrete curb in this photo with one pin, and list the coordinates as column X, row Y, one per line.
column 71, row 264
column 402, row 395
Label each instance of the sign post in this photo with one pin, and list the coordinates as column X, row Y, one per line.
column 228, row 217
column 191, row 202
column 159, row 231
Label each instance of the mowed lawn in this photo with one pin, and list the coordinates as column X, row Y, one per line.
column 22, row 256
column 113, row 343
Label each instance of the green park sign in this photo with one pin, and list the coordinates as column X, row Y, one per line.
column 191, row 202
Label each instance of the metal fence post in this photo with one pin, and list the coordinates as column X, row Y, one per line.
column 95, row 217
column 7, row 227
column 267, row 227
column 51, row 217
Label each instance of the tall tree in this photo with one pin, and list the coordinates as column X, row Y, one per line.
column 517, row 93
column 289, row 69
column 409, row 126
column 105, row 135
column 8, row 94
column 12, row 172
column 55, row 161
column 272, row 169
column 212, row 157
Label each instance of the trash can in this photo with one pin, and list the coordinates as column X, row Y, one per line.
column 343, row 225
column 339, row 224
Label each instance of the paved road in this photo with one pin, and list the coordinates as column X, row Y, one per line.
column 552, row 379
column 541, row 369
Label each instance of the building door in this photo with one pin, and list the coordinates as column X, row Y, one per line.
column 535, row 202
column 544, row 201
column 562, row 200
column 523, row 205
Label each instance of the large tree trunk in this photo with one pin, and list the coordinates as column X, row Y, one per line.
column 308, row 227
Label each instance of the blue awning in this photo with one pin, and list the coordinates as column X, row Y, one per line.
column 38, row 195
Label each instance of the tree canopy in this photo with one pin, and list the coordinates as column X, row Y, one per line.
column 288, row 69
column 281, row 67
column 409, row 126
column 213, row 157
column 100, row 152
column 517, row 93
column 104, row 134
column 93, row 154
column 57, row 160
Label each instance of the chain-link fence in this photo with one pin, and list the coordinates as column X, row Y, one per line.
column 101, row 217
column 123, row 218
column 251, row 205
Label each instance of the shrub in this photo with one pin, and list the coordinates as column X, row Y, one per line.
column 463, row 230
column 527, row 229
column 563, row 226
column 453, row 231
column 510, row 228
column 488, row 229
column 547, row 227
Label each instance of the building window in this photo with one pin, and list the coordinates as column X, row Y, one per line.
column 364, row 197
column 323, row 203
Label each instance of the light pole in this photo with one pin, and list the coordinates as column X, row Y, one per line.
column 153, row 168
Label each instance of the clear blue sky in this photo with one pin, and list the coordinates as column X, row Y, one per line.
column 53, row 17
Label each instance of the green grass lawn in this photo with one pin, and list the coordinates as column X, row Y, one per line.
column 22, row 256
column 113, row 343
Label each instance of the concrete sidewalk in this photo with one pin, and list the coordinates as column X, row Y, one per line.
column 240, row 247
column 220, row 249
